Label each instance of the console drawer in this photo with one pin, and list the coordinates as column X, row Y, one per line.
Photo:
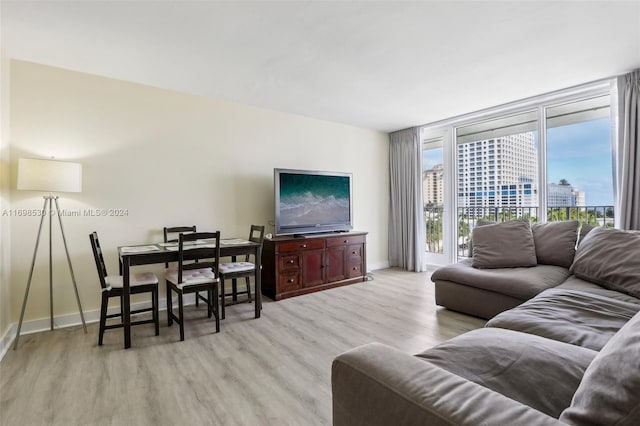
column 301, row 245
column 288, row 262
column 354, row 253
column 355, row 270
column 346, row 240
column 289, row 281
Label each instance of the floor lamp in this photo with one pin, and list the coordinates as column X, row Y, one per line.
column 49, row 176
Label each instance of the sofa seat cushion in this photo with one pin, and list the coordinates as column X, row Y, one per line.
column 575, row 283
column 191, row 277
column 521, row 283
column 538, row 372
column 609, row 393
column 570, row 316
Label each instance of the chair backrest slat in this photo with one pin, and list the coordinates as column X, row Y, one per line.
column 99, row 259
column 176, row 230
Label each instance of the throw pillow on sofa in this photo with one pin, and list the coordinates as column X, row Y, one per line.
column 609, row 393
column 504, row 245
column 479, row 222
column 610, row 258
column 556, row 242
column 584, row 230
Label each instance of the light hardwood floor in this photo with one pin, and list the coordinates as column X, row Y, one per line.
column 271, row 371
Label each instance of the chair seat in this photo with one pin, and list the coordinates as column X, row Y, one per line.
column 228, row 268
column 190, row 276
column 135, row 279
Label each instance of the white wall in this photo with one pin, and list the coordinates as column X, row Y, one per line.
column 168, row 159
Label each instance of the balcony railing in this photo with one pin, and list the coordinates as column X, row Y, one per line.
column 468, row 218
column 433, row 220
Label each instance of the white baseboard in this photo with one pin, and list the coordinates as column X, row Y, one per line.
column 71, row 320
column 6, row 341
column 432, row 267
column 378, row 265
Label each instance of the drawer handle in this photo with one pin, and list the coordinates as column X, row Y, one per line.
column 303, row 246
column 290, row 280
column 346, row 241
column 290, row 261
column 354, row 252
column 355, row 268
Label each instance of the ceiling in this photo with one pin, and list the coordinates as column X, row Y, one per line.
column 379, row 65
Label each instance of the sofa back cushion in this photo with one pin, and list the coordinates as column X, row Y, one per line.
column 611, row 258
column 584, row 230
column 556, row 242
column 504, row 245
column 609, row 393
column 479, row 222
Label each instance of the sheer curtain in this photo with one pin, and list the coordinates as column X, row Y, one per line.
column 627, row 155
column 406, row 218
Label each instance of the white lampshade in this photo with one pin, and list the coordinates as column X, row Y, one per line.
column 49, row 175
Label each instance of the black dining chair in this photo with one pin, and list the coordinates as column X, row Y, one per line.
column 193, row 277
column 244, row 269
column 141, row 282
column 171, row 236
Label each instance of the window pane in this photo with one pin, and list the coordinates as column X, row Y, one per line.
column 579, row 168
column 497, row 172
column 433, row 193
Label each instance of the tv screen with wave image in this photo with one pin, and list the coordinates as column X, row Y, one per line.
column 312, row 201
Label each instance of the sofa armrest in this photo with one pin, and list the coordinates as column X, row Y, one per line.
column 375, row 384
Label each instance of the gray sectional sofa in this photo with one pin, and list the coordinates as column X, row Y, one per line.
column 562, row 345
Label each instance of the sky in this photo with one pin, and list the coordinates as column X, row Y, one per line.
column 431, row 157
column 579, row 153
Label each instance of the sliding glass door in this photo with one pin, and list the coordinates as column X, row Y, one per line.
column 436, row 194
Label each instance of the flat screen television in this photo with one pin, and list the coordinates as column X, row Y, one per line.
column 312, row 201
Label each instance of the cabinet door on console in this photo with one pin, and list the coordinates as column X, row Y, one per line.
column 335, row 264
column 312, row 268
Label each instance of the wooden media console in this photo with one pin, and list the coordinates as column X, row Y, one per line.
column 292, row 266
